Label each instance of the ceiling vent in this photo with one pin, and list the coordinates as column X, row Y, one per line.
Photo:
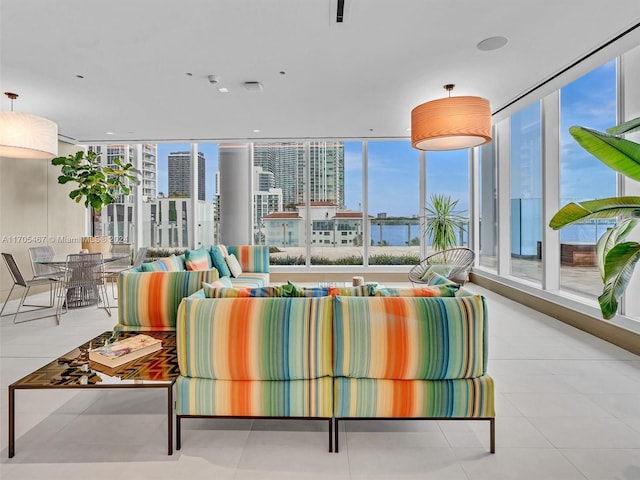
column 340, row 11
column 253, row 86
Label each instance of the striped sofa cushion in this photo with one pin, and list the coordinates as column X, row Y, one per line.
column 364, row 397
column 410, row 338
column 252, row 258
column 149, row 300
column 291, row 398
column 255, row 338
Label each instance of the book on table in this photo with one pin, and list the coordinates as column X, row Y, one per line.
column 126, row 350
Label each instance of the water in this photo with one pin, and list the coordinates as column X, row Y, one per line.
column 400, row 235
column 396, row 235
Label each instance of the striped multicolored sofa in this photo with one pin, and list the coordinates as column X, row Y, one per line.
column 346, row 357
column 412, row 357
column 255, row 357
column 149, row 300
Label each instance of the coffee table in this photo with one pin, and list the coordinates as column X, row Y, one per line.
column 74, row 370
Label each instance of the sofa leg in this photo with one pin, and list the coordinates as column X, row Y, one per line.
column 330, row 435
column 492, row 434
column 178, row 433
column 336, row 435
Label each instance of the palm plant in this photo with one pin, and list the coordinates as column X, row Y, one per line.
column 444, row 222
column 617, row 258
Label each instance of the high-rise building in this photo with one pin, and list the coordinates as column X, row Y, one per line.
column 266, row 200
column 116, row 219
column 179, row 170
column 286, row 161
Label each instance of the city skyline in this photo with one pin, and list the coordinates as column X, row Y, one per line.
column 393, row 165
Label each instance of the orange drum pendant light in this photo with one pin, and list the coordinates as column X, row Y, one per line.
column 451, row 123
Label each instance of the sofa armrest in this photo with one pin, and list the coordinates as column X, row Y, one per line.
column 149, row 300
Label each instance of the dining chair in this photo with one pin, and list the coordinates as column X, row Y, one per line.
column 113, row 268
column 83, row 283
column 19, row 280
column 40, row 256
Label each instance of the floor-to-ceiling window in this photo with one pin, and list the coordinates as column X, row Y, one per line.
column 448, row 176
column 589, row 101
column 487, row 206
column 337, row 224
column 526, row 194
column 208, row 203
column 393, row 199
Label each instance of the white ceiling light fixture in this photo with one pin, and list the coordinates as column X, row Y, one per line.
column 27, row 136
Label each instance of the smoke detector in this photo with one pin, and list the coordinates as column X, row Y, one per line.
column 253, row 86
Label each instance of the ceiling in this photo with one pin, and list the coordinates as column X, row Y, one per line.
column 145, row 63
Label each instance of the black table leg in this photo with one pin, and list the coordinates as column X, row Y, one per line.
column 12, row 422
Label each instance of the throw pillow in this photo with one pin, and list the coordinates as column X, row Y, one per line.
column 234, row 265
column 361, row 291
column 293, row 290
column 227, row 292
column 431, row 291
column 234, row 292
column 167, row 264
column 222, row 282
column 217, row 255
column 197, row 259
column 434, row 278
column 443, row 270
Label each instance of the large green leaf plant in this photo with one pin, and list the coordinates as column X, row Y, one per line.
column 617, row 257
column 98, row 185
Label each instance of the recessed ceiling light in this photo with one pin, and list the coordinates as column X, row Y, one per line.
column 223, row 90
column 80, row 76
column 109, row 133
column 189, row 74
column 492, row 43
column 256, row 130
column 282, row 72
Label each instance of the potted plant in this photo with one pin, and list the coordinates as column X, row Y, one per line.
column 617, row 258
column 444, row 222
column 97, row 184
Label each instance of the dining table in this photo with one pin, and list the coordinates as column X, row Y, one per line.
column 83, row 293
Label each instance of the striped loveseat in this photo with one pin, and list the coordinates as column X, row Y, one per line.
column 410, row 358
column 346, row 357
column 254, row 357
column 149, row 300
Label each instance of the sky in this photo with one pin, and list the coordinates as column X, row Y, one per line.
column 393, row 175
column 393, row 165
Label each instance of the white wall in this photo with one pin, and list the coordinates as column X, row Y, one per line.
column 35, row 210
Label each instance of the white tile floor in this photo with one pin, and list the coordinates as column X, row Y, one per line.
column 568, row 407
